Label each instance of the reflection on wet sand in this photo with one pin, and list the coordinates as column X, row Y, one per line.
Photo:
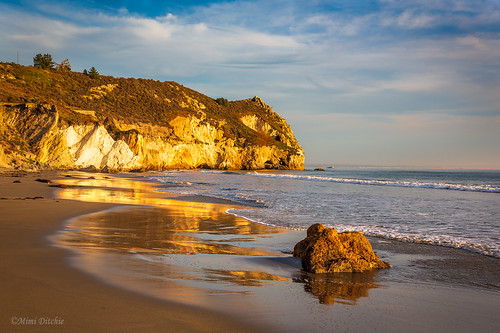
column 175, row 230
column 345, row 288
column 187, row 251
column 244, row 278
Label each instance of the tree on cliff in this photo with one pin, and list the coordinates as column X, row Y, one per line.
column 43, row 61
column 93, row 73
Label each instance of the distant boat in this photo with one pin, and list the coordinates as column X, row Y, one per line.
column 331, row 167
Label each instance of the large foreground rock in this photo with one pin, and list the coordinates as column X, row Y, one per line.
column 325, row 250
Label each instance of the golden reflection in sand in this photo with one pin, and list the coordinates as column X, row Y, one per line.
column 160, row 226
column 174, row 230
column 121, row 191
column 245, row 278
column 187, row 215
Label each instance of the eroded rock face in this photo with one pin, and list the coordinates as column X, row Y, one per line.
column 186, row 142
column 325, row 250
column 91, row 145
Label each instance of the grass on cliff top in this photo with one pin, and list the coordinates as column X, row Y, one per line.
column 128, row 100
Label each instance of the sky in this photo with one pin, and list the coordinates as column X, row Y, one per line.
column 394, row 83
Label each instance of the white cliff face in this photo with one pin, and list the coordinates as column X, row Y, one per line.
column 119, row 157
column 91, row 145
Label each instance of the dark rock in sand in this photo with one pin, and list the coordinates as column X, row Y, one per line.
column 325, row 250
column 319, row 169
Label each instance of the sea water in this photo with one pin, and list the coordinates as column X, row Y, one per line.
column 454, row 208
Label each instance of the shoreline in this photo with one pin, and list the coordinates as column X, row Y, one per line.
column 40, row 289
column 423, row 280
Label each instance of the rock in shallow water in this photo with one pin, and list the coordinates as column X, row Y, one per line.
column 325, row 250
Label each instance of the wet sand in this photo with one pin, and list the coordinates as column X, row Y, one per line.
column 41, row 291
column 170, row 248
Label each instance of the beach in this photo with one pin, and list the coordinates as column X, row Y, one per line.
column 110, row 252
column 42, row 292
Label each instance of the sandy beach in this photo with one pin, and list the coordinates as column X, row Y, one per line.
column 42, row 292
column 129, row 258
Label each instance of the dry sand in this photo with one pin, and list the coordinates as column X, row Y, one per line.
column 41, row 292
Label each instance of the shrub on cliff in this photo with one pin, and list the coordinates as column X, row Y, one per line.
column 64, row 66
column 222, row 101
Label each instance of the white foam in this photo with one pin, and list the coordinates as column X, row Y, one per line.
column 492, row 250
column 414, row 184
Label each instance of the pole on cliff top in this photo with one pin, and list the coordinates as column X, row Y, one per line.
column 18, row 57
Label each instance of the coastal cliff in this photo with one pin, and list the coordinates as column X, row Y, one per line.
column 62, row 119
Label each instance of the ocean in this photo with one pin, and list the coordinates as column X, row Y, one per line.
column 452, row 208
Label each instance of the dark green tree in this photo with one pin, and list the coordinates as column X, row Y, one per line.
column 43, row 61
column 93, row 73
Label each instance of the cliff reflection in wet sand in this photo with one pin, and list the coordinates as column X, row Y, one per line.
column 187, row 251
column 175, row 231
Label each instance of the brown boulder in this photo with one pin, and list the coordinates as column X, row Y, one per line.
column 324, row 250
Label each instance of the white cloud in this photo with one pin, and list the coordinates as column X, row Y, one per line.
column 475, row 42
column 410, row 20
column 148, row 30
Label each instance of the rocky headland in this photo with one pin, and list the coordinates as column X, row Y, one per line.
column 63, row 119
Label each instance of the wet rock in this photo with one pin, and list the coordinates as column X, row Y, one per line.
column 325, row 250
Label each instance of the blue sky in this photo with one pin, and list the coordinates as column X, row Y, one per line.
column 385, row 82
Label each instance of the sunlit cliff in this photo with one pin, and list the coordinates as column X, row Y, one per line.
column 63, row 119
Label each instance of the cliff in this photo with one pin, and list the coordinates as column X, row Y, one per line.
column 63, row 119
